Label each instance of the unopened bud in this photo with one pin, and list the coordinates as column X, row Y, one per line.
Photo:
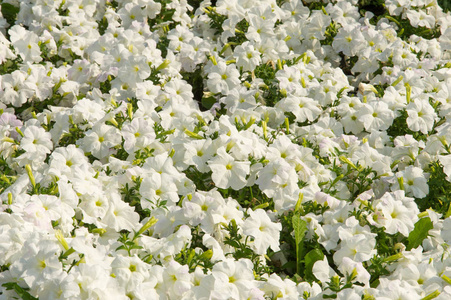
column 152, row 221
column 60, row 237
column 30, row 175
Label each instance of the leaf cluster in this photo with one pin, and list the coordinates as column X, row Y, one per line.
column 242, row 248
column 21, row 292
column 439, row 197
column 301, row 254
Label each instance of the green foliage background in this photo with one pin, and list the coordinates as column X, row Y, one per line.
column 445, row 5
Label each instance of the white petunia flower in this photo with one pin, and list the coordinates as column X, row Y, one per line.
column 375, row 115
column 26, row 43
column 414, row 182
column 283, row 288
column 322, row 271
column 263, row 230
column 247, row 57
column 358, row 248
column 421, row 116
column 303, row 108
column 100, row 140
column 349, row 267
column 36, row 140
column 349, row 40
column 222, row 78
column 227, row 172
column 15, row 89
column 137, row 134
column 396, row 212
column 277, row 175
column 420, row 18
column 176, row 280
column 39, row 261
column 237, row 275
column 158, row 188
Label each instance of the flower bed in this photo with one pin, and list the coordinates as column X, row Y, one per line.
column 226, row 150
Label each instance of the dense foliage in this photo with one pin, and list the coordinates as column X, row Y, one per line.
column 157, row 149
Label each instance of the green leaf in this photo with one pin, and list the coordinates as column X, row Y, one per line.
column 10, row 13
column 289, row 265
column 419, row 233
column 121, row 248
column 135, row 247
column 310, row 259
column 300, row 227
column 208, row 102
column 445, row 5
column 21, row 292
